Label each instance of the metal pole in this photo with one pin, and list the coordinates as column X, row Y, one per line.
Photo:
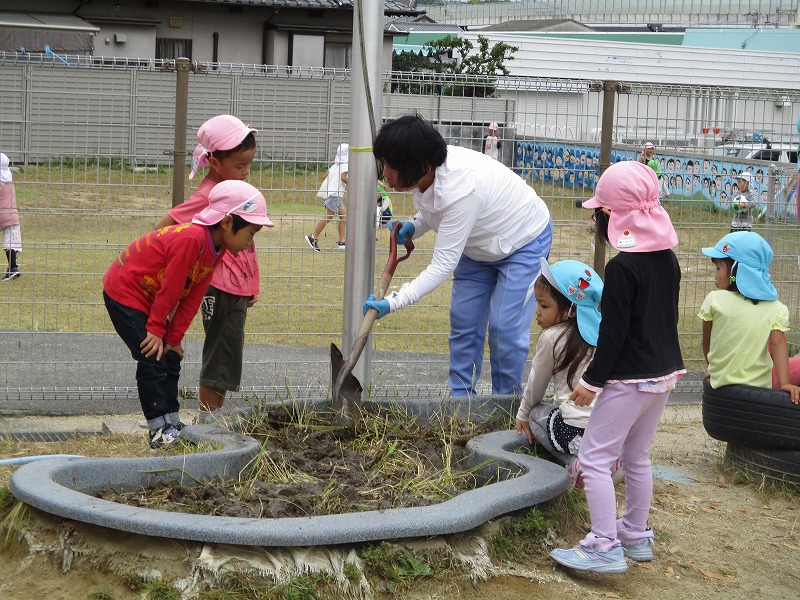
column 772, row 176
column 182, row 68
column 365, row 111
column 606, row 139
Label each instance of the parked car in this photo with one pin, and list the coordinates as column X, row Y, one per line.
column 768, row 151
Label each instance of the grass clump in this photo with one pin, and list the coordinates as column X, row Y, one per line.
column 14, row 525
column 151, row 588
column 398, row 567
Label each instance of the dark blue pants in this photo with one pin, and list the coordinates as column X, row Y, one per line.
column 156, row 380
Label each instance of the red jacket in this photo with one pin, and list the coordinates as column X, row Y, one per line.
column 164, row 271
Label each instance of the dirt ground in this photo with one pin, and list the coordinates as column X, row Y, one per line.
column 716, row 538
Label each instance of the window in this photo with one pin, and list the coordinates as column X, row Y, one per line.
column 173, row 48
column 338, row 56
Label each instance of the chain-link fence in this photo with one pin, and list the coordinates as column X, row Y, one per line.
column 93, row 148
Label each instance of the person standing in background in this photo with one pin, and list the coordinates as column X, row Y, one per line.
column 9, row 219
column 491, row 143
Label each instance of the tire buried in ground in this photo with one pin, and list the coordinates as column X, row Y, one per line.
column 777, row 467
column 751, row 416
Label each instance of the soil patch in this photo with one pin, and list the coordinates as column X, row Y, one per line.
column 309, row 466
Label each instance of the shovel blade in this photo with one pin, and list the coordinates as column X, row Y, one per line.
column 345, row 395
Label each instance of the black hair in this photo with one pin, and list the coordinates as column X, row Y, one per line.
column 411, row 146
column 733, row 267
column 248, row 143
column 238, row 223
column 575, row 349
column 601, row 223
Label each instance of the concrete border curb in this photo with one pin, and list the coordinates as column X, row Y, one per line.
column 65, row 487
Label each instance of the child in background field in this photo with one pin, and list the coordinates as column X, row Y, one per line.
column 153, row 290
column 491, row 143
column 743, row 204
column 332, row 191
column 227, row 146
column 743, row 321
column 9, row 219
column 567, row 297
column 383, row 212
column 636, row 365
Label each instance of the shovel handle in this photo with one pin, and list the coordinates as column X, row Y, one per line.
column 393, row 261
column 383, row 285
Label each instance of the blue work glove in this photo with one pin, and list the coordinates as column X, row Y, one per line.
column 406, row 229
column 382, row 306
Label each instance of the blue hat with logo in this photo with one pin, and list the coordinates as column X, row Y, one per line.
column 583, row 287
column 753, row 257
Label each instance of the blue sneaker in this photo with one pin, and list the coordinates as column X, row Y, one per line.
column 641, row 552
column 583, row 558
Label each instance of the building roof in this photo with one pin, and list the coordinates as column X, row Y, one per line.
column 531, row 25
column 34, row 20
column 391, row 7
column 640, row 37
column 415, row 42
column 744, row 38
column 404, row 25
column 554, row 56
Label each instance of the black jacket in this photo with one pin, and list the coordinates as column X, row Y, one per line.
column 639, row 329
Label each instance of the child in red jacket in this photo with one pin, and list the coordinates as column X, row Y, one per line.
column 155, row 287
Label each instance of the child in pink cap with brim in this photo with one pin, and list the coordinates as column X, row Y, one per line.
column 227, row 147
column 636, row 365
column 153, row 290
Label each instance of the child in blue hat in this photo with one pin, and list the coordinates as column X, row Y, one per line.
column 567, row 298
column 743, row 321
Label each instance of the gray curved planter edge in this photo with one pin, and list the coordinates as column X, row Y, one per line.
column 64, row 487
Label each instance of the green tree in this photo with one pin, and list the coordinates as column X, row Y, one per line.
column 485, row 64
column 411, row 62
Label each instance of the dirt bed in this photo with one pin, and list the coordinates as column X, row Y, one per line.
column 717, row 538
column 311, row 467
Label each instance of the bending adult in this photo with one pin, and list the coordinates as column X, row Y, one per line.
column 492, row 229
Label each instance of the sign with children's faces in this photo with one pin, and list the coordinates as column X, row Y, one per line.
column 704, row 179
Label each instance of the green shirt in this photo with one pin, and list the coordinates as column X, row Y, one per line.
column 739, row 334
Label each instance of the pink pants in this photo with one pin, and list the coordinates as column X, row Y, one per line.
column 794, row 373
column 622, row 425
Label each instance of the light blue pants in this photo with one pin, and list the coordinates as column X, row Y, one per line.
column 498, row 295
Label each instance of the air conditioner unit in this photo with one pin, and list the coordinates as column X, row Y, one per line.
column 120, row 38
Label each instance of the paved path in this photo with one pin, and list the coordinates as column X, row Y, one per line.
column 44, row 373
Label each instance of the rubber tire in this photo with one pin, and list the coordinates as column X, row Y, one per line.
column 777, row 467
column 751, row 416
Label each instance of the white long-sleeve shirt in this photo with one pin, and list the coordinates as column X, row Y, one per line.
column 478, row 207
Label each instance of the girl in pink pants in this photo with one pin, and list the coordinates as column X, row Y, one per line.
column 636, row 365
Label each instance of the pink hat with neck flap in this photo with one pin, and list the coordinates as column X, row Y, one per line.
column 637, row 222
column 223, row 132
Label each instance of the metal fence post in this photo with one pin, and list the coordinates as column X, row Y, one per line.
column 182, row 68
column 606, row 139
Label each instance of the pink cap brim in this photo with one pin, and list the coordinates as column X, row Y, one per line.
column 592, row 202
column 212, row 216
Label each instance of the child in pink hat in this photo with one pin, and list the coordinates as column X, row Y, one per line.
column 227, row 148
column 636, row 365
column 153, row 290
column 9, row 219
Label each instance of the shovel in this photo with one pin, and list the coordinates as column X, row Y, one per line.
column 345, row 388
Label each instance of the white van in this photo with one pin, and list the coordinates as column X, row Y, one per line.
column 771, row 152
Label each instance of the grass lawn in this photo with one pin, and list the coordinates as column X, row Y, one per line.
column 77, row 217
